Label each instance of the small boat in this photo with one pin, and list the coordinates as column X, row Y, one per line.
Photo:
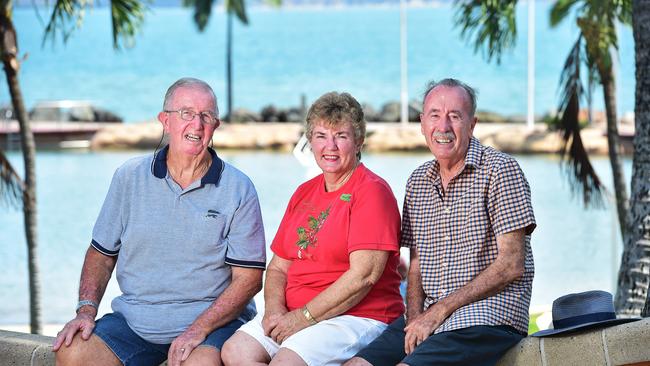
column 59, row 124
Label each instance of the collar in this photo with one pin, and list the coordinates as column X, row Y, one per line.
column 213, row 175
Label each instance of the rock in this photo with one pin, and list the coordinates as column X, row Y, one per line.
column 295, row 115
column 369, row 113
column 392, row 112
column 242, row 115
column 104, row 115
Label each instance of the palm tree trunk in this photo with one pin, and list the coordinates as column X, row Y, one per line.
column 633, row 279
column 229, row 64
column 9, row 49
column 613, row 140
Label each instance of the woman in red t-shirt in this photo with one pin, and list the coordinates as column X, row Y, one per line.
column 332, row 284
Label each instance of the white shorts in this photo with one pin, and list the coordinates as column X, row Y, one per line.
column 330, row 342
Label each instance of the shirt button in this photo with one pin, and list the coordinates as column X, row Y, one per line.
column 446, row 238
column 447, row 210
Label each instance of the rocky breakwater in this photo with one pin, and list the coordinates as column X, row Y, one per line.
column 508, row 137
column 146, row 135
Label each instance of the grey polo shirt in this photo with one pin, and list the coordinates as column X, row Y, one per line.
column 175, row 247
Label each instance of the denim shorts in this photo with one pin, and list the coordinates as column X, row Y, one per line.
column 477, row 345
column 133, row 350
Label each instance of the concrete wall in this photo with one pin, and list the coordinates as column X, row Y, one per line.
column 25, row 349
column 623, row 344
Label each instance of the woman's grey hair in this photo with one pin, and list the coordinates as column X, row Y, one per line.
column 333, row 109
column 191, row 83
column 471, row 92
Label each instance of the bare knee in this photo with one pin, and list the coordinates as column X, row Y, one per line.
column 357, row 361
column 81, row 352
column 204, row 356
column 241, row 349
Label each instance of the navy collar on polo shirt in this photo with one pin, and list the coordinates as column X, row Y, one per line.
column 212, row 176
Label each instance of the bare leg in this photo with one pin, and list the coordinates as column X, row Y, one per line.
column 288, row 357
column 91, row 352
column 357, row 361
column 242, row 349
column 204, row 356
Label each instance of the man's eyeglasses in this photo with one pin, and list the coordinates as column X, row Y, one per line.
column 207, row 118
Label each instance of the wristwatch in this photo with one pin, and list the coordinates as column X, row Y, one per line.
column 83, row 303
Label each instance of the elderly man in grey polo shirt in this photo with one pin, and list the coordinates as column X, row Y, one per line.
column 185, row 231
column 467, row 220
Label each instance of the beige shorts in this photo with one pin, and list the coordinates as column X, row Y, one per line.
column 330, row 342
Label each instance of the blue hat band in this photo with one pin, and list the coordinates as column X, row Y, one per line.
column 582, row 319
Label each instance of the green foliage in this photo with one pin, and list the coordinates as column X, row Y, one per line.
column 12, row 187
column 307, row 237
column 127, row 17
column 489, row 23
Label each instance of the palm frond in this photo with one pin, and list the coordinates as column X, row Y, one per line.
column 127, row 17
column 202, row 12
column 575, row 159
column 11, row 186
column 489, row 25
column 67, row 15
column 237, row 7
column 560, row 10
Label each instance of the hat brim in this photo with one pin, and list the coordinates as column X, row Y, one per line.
column 585, row 326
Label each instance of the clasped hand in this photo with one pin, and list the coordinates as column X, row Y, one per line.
column 280, row 326
column 420, row 328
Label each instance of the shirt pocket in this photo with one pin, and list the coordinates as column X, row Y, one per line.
column 209, row 230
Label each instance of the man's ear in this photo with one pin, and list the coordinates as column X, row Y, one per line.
column 163, row 117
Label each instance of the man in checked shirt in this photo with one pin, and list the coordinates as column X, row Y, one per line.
column 467, row 220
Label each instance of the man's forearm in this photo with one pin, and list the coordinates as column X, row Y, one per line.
column 414, row 291
column 95, row 274
column 508, row 267
column 231, row 302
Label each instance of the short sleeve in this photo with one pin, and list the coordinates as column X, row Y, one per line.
column 406, row 238
column 374, row 219
column 509, row 200
column 107, row 232
column 245, row 240
column 277, row 246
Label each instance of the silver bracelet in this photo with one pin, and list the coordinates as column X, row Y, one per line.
column 83, row 303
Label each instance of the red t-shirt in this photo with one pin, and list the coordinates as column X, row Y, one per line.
column 320, row 229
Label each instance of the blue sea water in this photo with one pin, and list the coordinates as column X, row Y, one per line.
column 575, row 250
column 286, row 52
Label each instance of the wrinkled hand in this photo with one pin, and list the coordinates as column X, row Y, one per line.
column 183, row 345
column 84, row 322
column 420, row 328
column 288, row 325
column 271, row 320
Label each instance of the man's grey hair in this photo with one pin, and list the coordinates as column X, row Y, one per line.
column 471, row 92
column 191, row 83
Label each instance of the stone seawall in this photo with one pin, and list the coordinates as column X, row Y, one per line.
column 512, row 138
column 625, row 344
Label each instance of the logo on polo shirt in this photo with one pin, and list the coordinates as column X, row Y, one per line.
column 212, row 213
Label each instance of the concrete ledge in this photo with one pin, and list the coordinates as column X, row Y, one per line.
column 624, row 344
column 25, row 349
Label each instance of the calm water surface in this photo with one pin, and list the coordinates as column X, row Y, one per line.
column 286, row 52
column 574, row 250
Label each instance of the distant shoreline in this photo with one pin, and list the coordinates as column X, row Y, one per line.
column 382, row 137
